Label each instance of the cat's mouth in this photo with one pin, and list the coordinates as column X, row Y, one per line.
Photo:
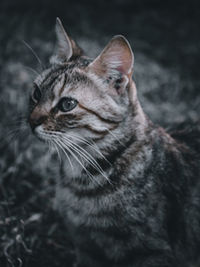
column 40, row 134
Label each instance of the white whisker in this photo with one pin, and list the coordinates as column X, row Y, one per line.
column 56, row 141
column 65, row 144
column 87, row 156
column 77, row 159
column 34, row 53
column 115, row 136
column 57, row 150
column 92, row 145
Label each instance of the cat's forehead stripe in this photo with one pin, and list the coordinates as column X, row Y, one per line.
column 47, row 77
column 62, row 85
column 40, row 79
column 59, row 85
column 72, row 72
column 74, row 80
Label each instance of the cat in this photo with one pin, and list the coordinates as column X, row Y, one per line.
column 128, row 191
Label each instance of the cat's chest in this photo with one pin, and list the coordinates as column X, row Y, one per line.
column 89, row 210
column 71, row 170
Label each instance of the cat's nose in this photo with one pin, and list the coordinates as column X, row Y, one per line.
column 36, row 118
column 34, row 122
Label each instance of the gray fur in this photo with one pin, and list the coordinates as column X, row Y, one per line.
column 121, row 175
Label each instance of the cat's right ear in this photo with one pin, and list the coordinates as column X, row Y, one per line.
column 66, row 46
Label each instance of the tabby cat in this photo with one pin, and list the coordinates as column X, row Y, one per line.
column 129, row 191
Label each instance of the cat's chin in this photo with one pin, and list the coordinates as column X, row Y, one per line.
column 39, row 133
column 41, row 138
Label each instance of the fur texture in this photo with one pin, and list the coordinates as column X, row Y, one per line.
column 129, row 191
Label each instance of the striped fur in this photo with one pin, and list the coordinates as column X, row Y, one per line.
column 127, row 187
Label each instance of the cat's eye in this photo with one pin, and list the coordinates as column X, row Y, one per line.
column 37, row 93
column 67, row 104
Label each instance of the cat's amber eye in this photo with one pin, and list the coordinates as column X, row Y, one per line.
column 66, row 104
column 37, row 93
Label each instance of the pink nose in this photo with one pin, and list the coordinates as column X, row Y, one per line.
column 37, row 117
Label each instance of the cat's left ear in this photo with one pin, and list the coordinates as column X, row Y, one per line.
column 66, row 46
column 115, row 63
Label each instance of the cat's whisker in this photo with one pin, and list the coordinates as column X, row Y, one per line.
column 88, row 157
column 16, row 132
column 34, row 53
column 31, row 69
column 63, row 147
column 18, row 121
column 78, row 160
column 12, row 136
column 48, row 141
column 18, row 127
column 57, row 145
column 84, row 151
column 115, row 136
column 92, row 145
column 80, row 151
column 83, row 140
column 56, row 140
column 57, row 150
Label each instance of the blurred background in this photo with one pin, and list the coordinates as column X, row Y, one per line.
column 165, row 38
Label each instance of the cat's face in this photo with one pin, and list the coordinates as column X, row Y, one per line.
column 80, row 97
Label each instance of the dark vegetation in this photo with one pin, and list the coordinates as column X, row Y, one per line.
column 166, row 42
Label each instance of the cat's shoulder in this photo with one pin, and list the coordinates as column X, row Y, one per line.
column 188, row 133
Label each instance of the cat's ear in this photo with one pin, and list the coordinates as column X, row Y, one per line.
column 115, row 63
column 66, row 46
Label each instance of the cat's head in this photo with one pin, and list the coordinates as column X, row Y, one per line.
column 81, row 97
